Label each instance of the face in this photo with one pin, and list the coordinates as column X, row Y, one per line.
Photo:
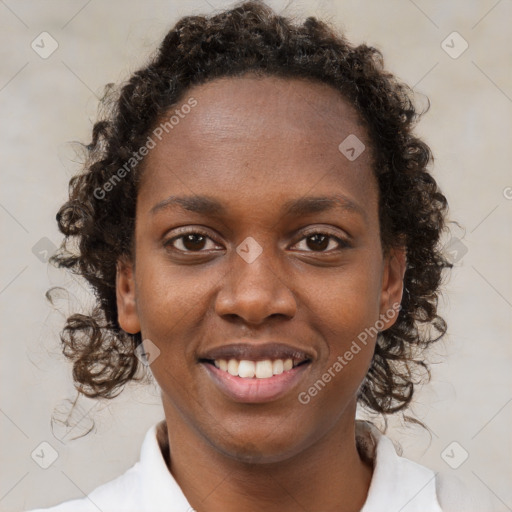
column 257, row 240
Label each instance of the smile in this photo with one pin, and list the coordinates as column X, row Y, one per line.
column 256, row 372
column 256, row 369
column 249, row 388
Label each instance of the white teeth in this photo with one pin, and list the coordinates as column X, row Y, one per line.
column 254, row 369
column 277, row 367
column 264, row 369
column 246, row 369
column 233, row 367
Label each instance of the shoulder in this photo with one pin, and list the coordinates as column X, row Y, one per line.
column 148, row 486
column 123, row 493
column 402, row 484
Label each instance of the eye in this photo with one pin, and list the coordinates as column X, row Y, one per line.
column 191, row 241
column 320, row 241
column 197, row 241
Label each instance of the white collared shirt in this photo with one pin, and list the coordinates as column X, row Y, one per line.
column 398, row 484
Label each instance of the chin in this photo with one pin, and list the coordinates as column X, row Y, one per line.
column 261, row 447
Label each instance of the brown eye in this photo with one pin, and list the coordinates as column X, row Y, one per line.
column 189, row 242
column 193, row 241
column 322, row 242
column 318, row 242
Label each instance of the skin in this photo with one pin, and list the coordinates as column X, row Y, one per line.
column 253, row 144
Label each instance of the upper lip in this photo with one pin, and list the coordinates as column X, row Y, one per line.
column 256, row 352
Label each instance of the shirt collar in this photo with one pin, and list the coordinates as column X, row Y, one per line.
column 159, row 488
column 397, row 485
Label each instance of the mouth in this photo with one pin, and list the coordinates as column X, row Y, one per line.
column 255, row 373
column 247, row 369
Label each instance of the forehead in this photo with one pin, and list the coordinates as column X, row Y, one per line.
column 268, row 107
column 298, row 105
column 253, row 133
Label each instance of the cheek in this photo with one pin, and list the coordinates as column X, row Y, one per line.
column 346, row 311
column 350, row 338
column 170, row 297
column 348, row 300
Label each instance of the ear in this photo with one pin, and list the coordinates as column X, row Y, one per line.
column 392, row 285
column 127, row 315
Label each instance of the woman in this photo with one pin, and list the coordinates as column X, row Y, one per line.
column 260, row 228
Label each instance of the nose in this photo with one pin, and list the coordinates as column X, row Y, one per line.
column 255, row 291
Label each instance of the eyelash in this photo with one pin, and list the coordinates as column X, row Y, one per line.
column 342, row 244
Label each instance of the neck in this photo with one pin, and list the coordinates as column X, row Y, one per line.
column 329, row 475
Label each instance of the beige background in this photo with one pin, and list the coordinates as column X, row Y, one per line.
column 46, row 103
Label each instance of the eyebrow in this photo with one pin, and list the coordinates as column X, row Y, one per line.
column 295, row 207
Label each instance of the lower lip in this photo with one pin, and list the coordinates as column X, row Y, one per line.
column 256, row 390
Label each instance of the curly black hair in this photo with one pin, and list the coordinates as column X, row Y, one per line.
column 252, row 38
